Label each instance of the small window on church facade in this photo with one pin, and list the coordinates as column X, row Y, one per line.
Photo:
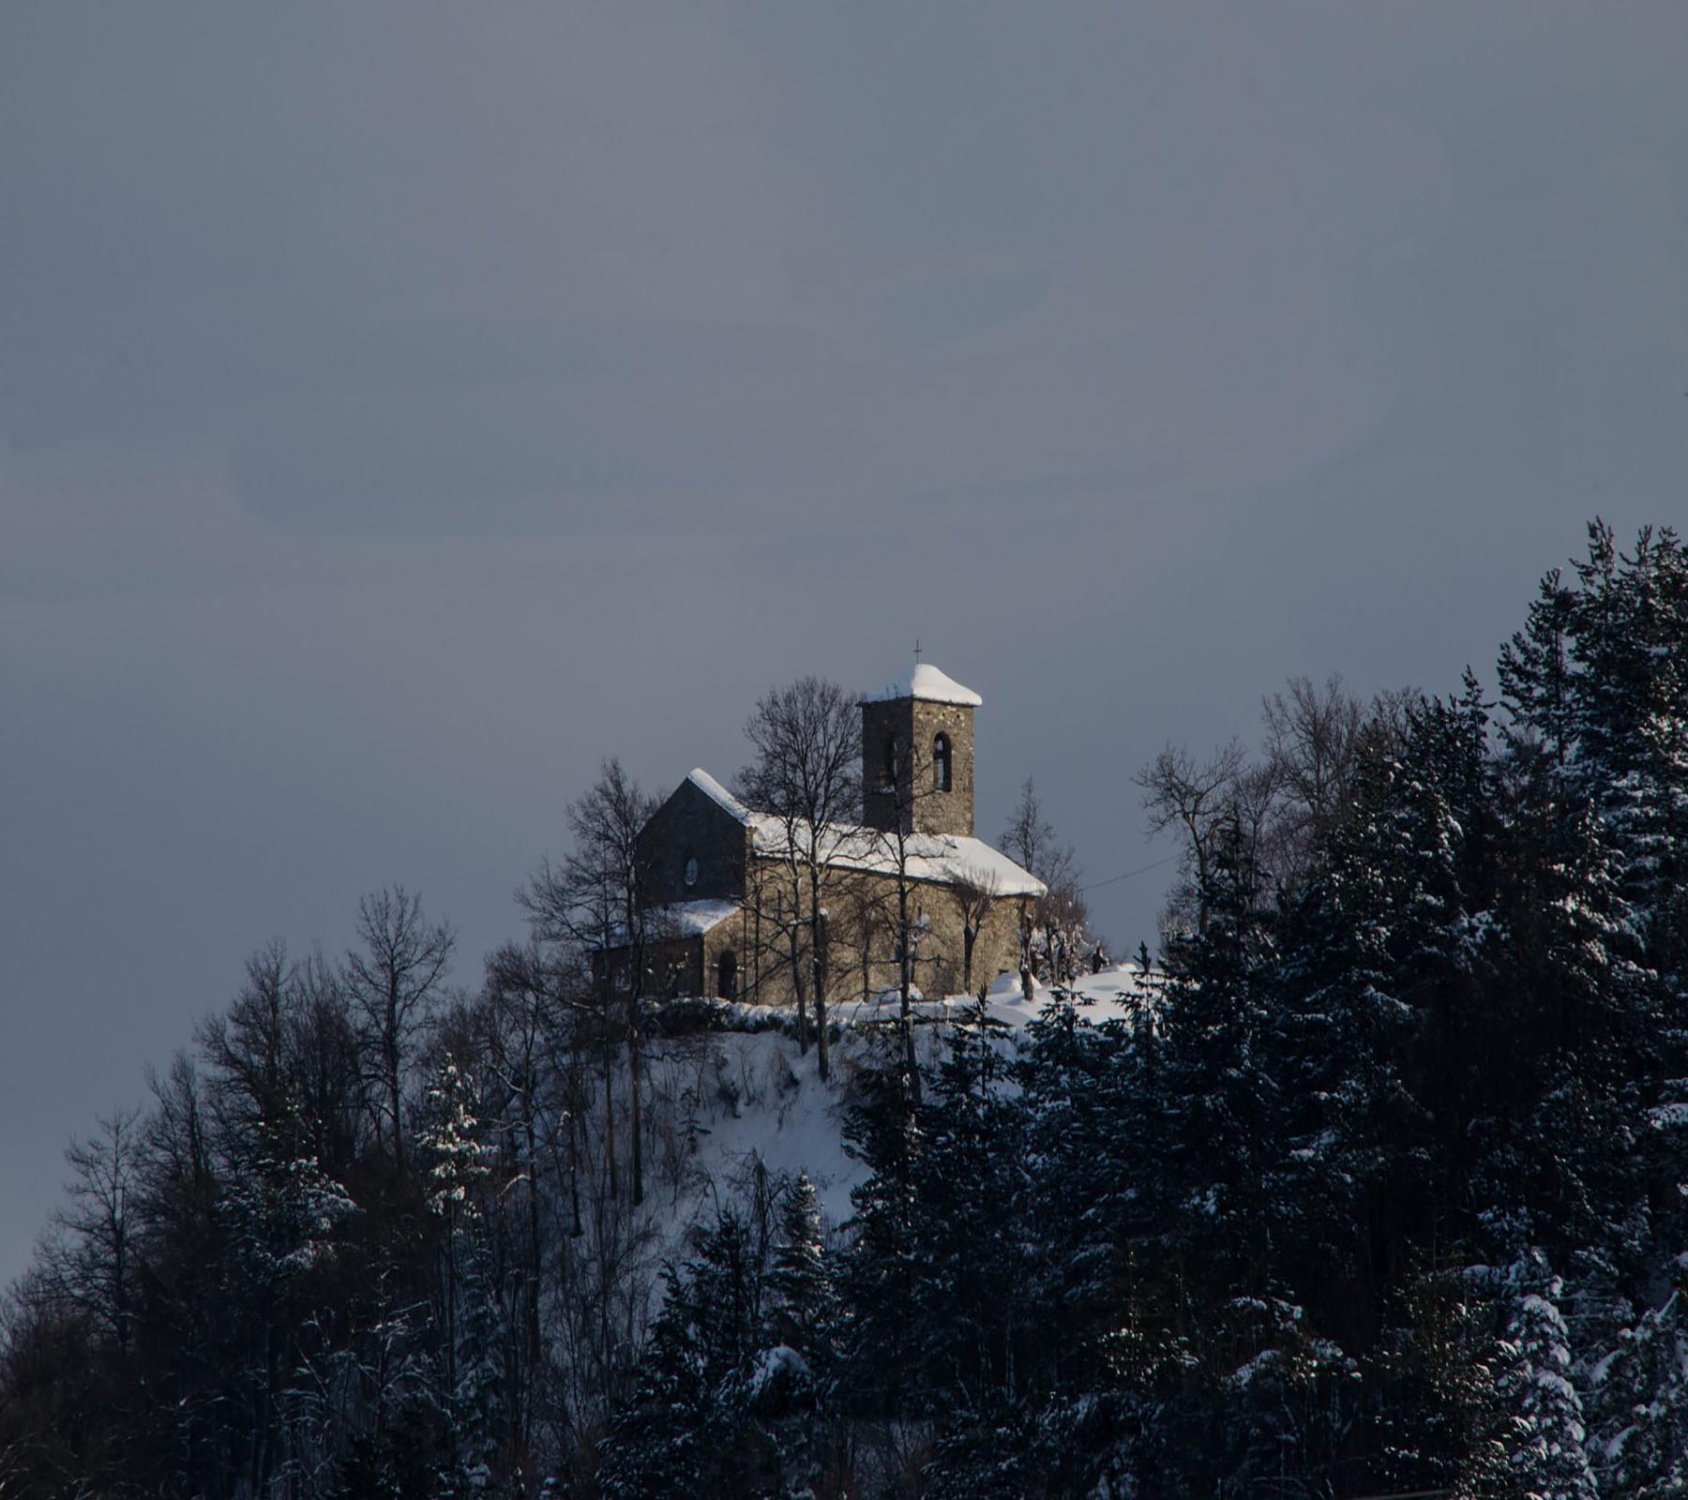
column 691, row 869
column 941, row 773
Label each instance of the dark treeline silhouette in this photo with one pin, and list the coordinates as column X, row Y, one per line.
column 1382, row 1188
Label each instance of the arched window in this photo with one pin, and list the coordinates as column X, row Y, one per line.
column 941, row 773
column 690, row 873
column 726, row 975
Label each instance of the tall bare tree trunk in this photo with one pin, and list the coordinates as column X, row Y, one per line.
column 609, row 1119
column 905, row 934
column 798, row 986
column 818, row 938
column 635, row 984
column 635, row 1122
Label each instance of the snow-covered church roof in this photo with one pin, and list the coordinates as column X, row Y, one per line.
column 928, row 684
column 939, row 858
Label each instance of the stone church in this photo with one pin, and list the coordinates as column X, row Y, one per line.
column 726, row 919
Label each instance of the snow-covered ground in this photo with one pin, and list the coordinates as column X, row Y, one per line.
column 1116, row 993
column 727, row 1100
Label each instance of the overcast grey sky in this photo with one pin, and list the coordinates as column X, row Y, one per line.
column 402, row 406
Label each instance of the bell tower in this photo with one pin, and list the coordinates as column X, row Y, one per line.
column 917, row 754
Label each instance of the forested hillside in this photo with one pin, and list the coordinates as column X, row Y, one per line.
column 1378, row 1185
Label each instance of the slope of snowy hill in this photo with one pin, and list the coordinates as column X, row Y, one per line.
column 728, row 1102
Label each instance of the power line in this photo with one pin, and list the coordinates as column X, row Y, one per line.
column 1096, row 885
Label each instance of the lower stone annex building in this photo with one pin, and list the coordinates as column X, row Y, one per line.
column 722, row 905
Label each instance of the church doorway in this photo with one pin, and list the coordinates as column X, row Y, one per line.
column 726, row 976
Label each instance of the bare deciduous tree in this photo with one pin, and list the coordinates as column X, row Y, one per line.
column 392, row 981
column 322, row 1047
column 1063, row 917
column 1278, row 808
column 975, row 893
column 247, row 1048
column 1313, row 735
column 1313, row 741
column 93, row 1265
column 1060, row 914
column 520, row 1015
column 599, row 901
column 1196, row 797
column 1028, row 838
column 807, row 775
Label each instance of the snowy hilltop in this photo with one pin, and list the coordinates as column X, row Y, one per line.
column 1371, row 1184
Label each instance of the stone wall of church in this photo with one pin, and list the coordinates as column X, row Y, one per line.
column 862, row 932
column 691, row 825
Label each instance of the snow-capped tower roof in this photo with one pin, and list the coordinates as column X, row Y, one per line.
column 928, row 684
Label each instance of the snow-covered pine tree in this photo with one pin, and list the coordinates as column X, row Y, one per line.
column 1627, row 633
column 1092, row 1198
column 1435, row 1419
column 688, row 1427
column 792, row 1385
column 802, row 1297
column 1638, row 1405
column 1546, row 1458
column 939, row 1271
column 882, row 1269
column 1246, row 1390
column 1595, row 1041
column 1370, row 951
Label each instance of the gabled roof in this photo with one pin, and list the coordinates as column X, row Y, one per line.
column 932, row 858
column 929, row 685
